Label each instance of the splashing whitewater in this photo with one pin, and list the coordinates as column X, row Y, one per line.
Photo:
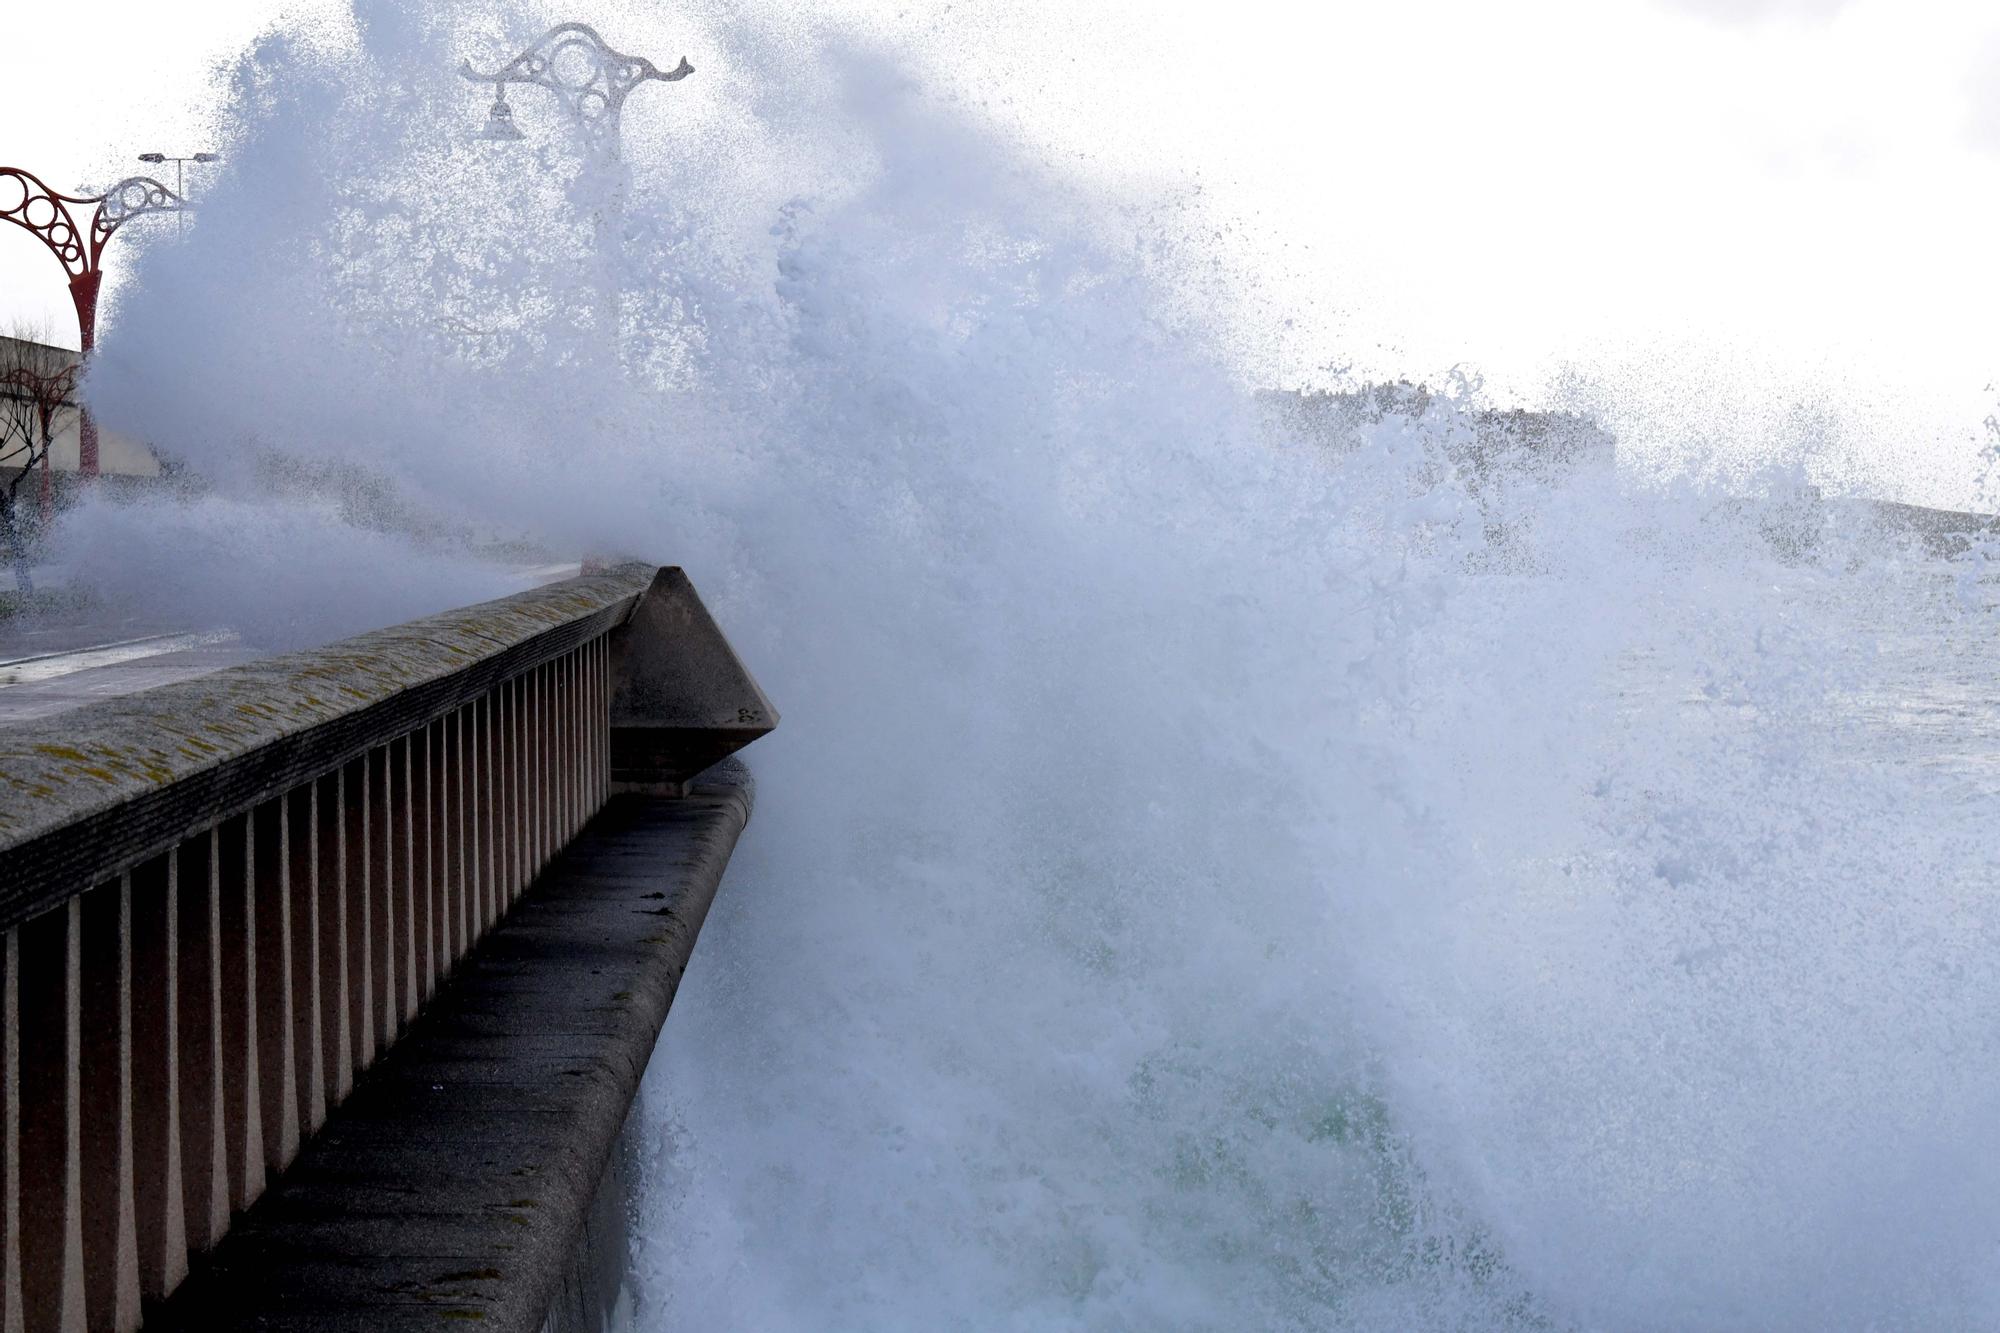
column 1206, row 879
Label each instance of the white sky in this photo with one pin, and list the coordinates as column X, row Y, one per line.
column 1728, row 198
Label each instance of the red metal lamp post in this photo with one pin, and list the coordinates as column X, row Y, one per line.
column 26, row 202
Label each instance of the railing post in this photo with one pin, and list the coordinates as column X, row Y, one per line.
column 680, row 697
column 175, row 1028
column 360, row 919
column 336, row 1049
column 510, row 833
column 51, row 1185
column 302, row 827
column 517, row 780
column 272, row 899
column 452, row 934
column 11, row 1318
column 444, row 863
column 579, row 723
column 545, row 763
column 486, row 729
column 524, row 787
column 531, row 812
column 110, row 1239
column 156, row 1083
column 204, row 1158
column 559, row 745
column 243, row 1114
column 386, row 833
column 468, row 832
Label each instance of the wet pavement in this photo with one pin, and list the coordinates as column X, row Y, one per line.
column 53, row 661
column 50, row 667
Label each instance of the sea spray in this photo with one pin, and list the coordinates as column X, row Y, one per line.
column 1208, row 877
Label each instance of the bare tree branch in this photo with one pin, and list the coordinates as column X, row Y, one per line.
column 37, row 381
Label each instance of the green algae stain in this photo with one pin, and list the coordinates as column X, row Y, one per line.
column 64, row 753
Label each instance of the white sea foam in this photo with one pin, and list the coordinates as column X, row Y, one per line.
column 1204, row 879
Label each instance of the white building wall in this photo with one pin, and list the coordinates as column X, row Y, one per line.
column 117, row 455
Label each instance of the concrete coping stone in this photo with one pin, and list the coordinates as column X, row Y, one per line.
column 88, row 794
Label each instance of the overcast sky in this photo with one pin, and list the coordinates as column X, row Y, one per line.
column 1693, row 195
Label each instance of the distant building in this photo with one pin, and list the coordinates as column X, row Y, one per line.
column 117, row 455
column 1543, row 449
column 1542, row 445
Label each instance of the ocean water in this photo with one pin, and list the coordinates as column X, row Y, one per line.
column 1205, row 879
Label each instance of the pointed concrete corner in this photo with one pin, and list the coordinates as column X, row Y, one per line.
column 680, row 697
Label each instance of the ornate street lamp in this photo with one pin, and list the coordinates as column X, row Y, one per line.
column 589, row 78
column 26, row 202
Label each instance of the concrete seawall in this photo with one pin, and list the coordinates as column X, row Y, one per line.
column 475, row 1176
column 328, row 978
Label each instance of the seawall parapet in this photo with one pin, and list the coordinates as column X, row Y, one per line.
column 228, row 905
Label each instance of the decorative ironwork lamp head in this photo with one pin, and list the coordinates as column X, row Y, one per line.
column 500, row 127
column 589, row 78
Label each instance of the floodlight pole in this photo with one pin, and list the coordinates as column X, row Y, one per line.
column 180, row 223
column 28, row 203
column 591, row 81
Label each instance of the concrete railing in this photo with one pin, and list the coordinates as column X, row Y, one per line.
column 224, row 898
